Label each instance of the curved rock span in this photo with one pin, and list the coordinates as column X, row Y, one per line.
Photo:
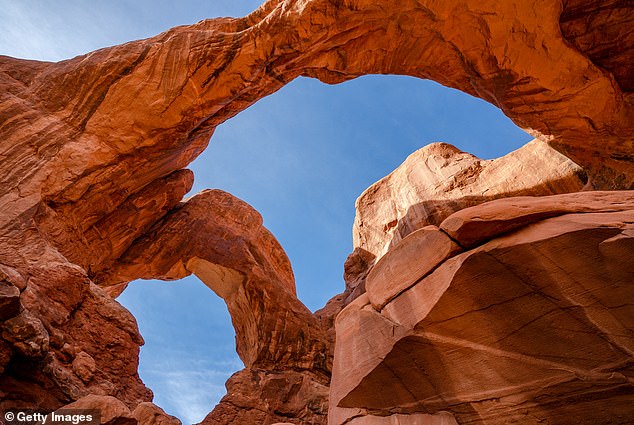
column 472, row 325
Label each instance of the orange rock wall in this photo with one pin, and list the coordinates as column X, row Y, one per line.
column 93, row 148
column 530, row 323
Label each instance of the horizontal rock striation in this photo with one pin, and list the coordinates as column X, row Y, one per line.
column 531, row 324
column 92, row 151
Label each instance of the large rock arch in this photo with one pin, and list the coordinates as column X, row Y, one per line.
column 98, row 142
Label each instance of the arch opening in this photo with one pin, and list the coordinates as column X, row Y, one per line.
column 185, row 360
column 301, row 157
column 293, row 129
column 320, row 209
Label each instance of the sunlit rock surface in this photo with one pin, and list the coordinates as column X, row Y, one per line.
column 531, row 324
column 92, row 154
column 221, row 239
column 439, row 179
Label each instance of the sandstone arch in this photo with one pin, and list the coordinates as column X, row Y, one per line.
column 221, row 239
column 98, row 142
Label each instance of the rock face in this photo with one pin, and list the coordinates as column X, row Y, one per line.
column 532, row 324
column 91, row 180
column 150, row 414
column 284, row 348
column 602, row 30
column 439, row 179
column 231, row 252
column 267, row 397
column 113, row 412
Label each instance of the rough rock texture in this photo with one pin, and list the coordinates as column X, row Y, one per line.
column 442, row 418
column 222, row 240
column 415, row 256
column 266, row 397
column 284, row 348
column 472, row 226
column 92, row 151
column 59, row 351
column 531, row 325
column 439, row 179
column 604, row 32
column 150, row 414
column 113, row 412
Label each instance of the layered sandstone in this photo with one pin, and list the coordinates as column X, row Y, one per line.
column 267, row 397
column 92, row 151
column 603, row 31
column 284, row 348
column 113, row 412
column 439, row 179
column 531, row 324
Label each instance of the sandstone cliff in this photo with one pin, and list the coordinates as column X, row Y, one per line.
column 439, row 179
column 92, row 153
column 513, row 311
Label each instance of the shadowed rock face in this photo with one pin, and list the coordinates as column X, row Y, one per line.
column 91, row 182
column 222, row 240
column 261, row 397
column 603, row 31
column 532, row 324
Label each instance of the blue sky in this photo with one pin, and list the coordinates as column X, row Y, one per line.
column 300, row 157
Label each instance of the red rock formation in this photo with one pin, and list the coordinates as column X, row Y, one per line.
column 150, row 414
column 113, row 412
column 284, row 348
column 222, row 240
column 267, row 397
column 93, row 148
column 602, row 30
column 439, row 179
column 533, row 324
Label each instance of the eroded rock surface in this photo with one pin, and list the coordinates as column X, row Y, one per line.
column 112, row 411
column 439, row 179
column 533, row 324
column 150, row 414
column 603, row 31
column 221, row 239
column 261, row 397
column 91, row 181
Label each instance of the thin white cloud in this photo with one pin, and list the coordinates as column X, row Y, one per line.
column 26, row 35
column 192, row 391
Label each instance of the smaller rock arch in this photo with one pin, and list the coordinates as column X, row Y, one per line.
column 222, row 240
